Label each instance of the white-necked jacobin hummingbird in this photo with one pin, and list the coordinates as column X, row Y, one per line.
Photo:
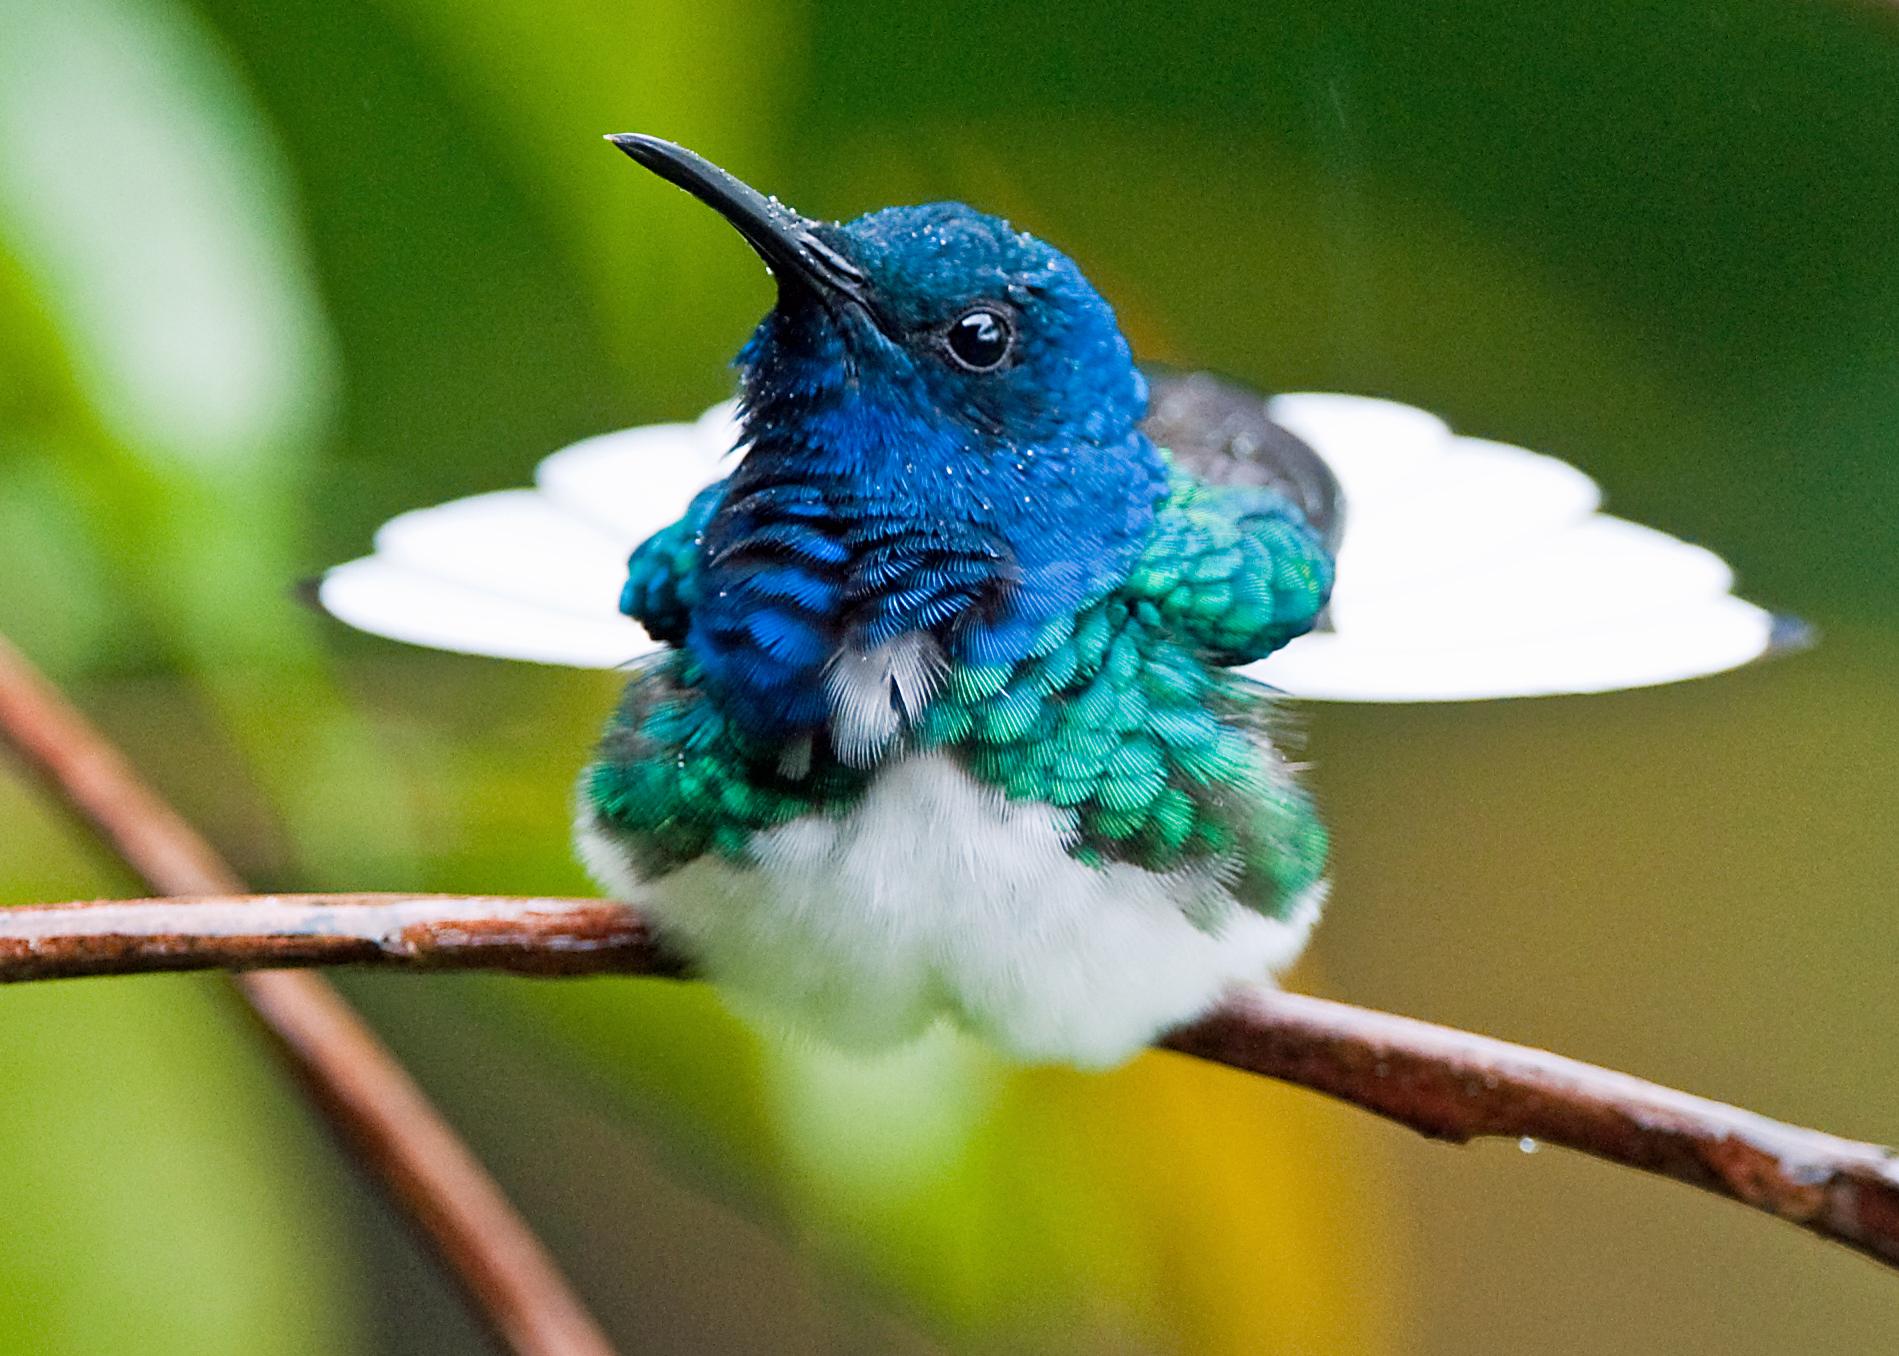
column 947, row 718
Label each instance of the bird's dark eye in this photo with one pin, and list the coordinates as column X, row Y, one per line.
column 980, row 339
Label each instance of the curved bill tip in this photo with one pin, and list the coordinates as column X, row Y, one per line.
column 647, row 150
column 783, row 239
column 728, row 195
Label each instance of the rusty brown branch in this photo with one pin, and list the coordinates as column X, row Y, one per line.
column 1455, row 1085
column 358, row 1084
column 1441, row 1082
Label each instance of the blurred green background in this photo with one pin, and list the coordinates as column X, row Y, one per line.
column 270, row 273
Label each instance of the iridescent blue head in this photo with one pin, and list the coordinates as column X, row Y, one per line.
column 941, row 420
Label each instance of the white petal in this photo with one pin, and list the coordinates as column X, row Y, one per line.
column 385, row 599
column 719, row 428
column 1600, row 571
column 515, row 544
column 1376, row 448
column 1481, row 497
column 1474, row 569
column 535, row 574
column 634, row 482
column 1688, row 642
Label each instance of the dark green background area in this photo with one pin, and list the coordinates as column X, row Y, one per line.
column 1655, row 239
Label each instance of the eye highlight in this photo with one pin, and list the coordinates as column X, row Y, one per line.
column 979, row 339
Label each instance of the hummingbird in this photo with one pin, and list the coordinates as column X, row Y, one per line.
column 959, row 689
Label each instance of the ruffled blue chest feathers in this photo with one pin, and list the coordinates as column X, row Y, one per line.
column 864, row 527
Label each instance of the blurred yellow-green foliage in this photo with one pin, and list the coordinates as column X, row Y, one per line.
column 271, row 272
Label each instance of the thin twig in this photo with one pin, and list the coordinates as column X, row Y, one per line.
column 1441, row 1082
column 371, row 1101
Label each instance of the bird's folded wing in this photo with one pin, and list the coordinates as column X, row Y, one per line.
column 1467, row 569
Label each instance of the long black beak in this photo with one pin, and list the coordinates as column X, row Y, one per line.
column 787, row 242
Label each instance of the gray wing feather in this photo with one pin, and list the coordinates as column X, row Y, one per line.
column 1218, row 430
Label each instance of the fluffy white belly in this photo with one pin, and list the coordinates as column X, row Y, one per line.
column 937, row 896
